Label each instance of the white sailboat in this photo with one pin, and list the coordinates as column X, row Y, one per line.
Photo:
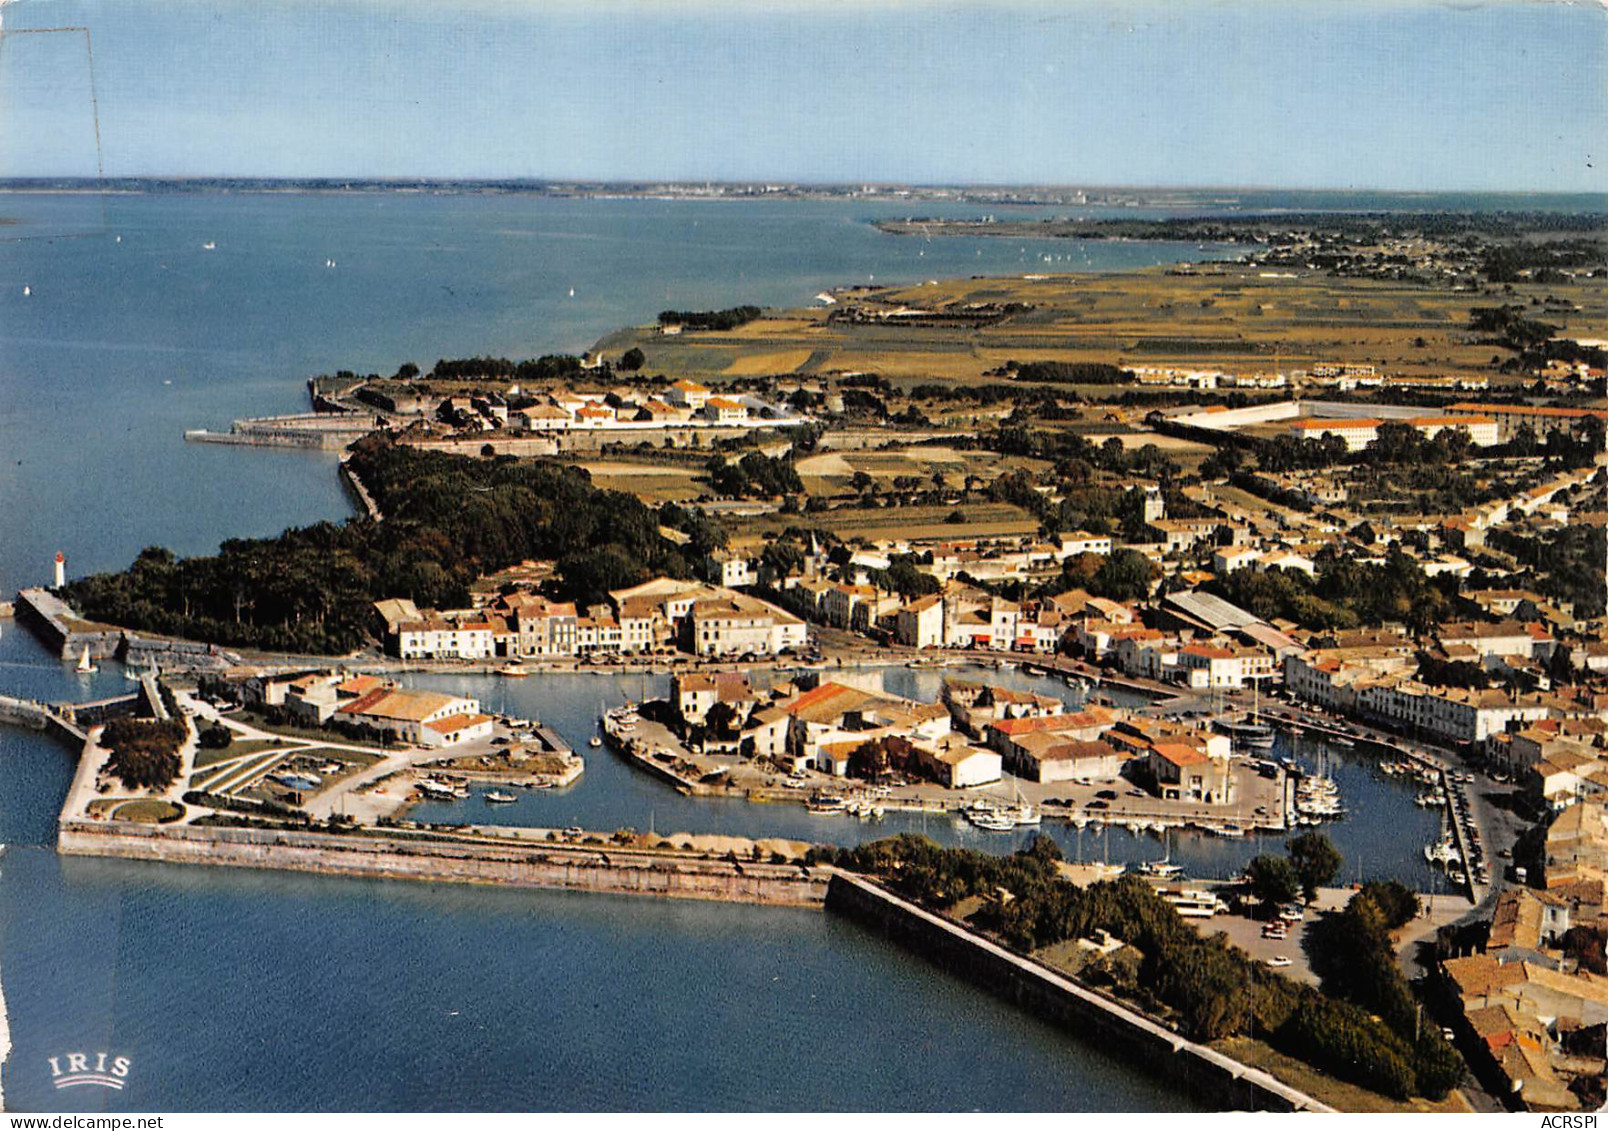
column 1164, row 868
column 26, row 290
column 84, row 665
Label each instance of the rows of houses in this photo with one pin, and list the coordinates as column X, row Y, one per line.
column 1375, row 676
column 662, row 614
column 683, row 404
column 969, row 738
column 1531, row 996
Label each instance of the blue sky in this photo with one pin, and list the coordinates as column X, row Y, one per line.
column 1290, row 93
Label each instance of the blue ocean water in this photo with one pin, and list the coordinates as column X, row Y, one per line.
column 266, row 991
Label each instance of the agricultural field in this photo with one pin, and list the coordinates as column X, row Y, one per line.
column 833, row 471
column 1227, row 317
column 916, row 523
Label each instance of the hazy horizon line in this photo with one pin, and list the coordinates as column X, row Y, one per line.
column 784, row 183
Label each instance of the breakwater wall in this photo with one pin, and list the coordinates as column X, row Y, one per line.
column 349, row 477
column 604, row 868
column 317, row 430
column 35, row 715
column 55, row 622
column 1204, row 1073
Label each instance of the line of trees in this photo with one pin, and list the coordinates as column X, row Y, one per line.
column 449, row 520
column 728, row 319
column 550, row 367
column 1071, row 372
column 1208, row 987
column 1345, row 594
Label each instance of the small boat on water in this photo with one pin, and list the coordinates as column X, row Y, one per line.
column 594, row 742
column 513, row 671
column 990, row 821
column 209, row 246
column 85, row 667
column 499, row 797
column 1161, row 869
column 826, row 803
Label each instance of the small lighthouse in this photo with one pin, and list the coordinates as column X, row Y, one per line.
column 61, row 570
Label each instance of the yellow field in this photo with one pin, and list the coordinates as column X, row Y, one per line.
column 763, row 364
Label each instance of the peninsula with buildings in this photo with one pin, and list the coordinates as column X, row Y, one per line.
column 1203, row 507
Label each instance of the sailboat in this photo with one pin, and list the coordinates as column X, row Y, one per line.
column 1021, row 811
column 84, row 666
column 1164, row 868
column 26, row 290
column 572, row 292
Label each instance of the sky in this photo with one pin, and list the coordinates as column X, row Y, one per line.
column 1277, row 93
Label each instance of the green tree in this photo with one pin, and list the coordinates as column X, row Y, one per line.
column 633, row 359
column 1126, row 575
column 1273, row 879
column 1316, row 862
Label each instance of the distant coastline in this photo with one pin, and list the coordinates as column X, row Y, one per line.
column 1073, row 196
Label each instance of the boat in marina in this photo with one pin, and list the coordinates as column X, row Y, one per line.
column 1161, row 869
column 85, row 667
column 500, row 797
column 1250, row 735
column 826, row 803
column 1443, row 853
column 513, row 671
column 990, row 820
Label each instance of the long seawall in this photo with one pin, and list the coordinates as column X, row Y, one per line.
column 1203, row 1072
column 604, row 868
column 5, row 1027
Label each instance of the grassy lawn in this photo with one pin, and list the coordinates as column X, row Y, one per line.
column 310, row 734
column 222, row 781
column 148, row 812
column 353, row 758
column 239, row 748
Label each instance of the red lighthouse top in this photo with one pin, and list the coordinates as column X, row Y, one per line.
column 59, row 556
